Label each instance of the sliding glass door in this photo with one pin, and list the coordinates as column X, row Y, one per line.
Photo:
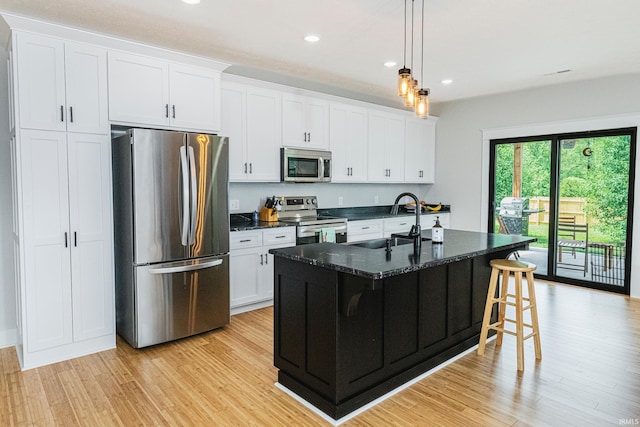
column 574, row 193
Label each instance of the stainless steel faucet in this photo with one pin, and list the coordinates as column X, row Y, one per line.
column 416, row 231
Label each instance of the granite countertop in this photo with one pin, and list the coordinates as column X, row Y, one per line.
column 375, row 212
column 243, row 222
column 376, row 264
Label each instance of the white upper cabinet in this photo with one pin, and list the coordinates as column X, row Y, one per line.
column 305, row 122
column 420, row 143
column 348, row 143
column 251, row 119
column 195, row 97
column 61, row 85
column 386, row 147
column 150, row 91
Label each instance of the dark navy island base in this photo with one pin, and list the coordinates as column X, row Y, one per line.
column 352, row 323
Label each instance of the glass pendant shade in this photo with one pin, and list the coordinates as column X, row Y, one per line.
column 410, row 98
column 404, row 81
column 422, row 103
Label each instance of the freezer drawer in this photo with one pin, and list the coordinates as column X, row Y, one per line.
column 178, row 299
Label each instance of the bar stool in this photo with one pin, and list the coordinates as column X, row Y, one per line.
column 507, row 267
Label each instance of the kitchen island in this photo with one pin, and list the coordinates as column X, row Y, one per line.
column 352, row 323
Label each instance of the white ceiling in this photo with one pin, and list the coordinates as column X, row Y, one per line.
column 486, row 46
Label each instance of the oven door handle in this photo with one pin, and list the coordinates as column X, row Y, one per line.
column 310, row 230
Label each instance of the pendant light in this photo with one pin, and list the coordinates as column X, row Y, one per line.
column 410, row 96
column 405, row 79
column 422, row 94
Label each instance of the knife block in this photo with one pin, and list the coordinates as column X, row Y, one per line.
column 268, row 215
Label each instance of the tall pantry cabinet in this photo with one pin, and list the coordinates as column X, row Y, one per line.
column 61, row 170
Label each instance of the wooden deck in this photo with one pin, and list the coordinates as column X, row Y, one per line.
column 589, row 375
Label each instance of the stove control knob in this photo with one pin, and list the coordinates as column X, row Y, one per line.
column 313, row 201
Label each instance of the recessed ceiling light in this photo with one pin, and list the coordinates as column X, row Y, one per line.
column 311, row 38
column 191, row 1
column 390, row 64
column 446, row 81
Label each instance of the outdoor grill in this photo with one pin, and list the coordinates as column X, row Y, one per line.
column 515, row 214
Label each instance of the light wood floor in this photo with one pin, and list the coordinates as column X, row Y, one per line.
column 589, row 375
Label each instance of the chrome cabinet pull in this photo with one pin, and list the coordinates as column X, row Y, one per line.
column 166, row 110
column 261, row 263
column 173, row 111
column 364, row 228
column 65, row 240
column 71, row 114
column 62, row 113
column 266, row 259
column 245, row 168
column 250, row 167
column 245, row 240
column 75, row 239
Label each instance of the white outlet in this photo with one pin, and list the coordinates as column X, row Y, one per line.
column 234, row 205
column 340, row 200
column 376, row 200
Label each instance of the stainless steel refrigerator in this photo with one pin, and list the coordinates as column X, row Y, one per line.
column 171, row 234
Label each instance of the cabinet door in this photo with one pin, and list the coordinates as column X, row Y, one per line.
column 376, row 164
column 348, row 143
column 233, row 101
column 398, row 225
column 394, row 148
column 86, row 88
column 305, row 122
column 317, row 123
column 294, row 133
column 91, row 235
column 138, row 89
column 41, row 96
column 195, row 98
column 264, row 134
column 419, row 160
column 246, row 274
column 47, row 279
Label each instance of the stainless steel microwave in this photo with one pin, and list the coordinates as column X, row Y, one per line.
column 298, row 165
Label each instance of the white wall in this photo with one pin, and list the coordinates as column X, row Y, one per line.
column 462, row 166
column 7, row 285
column 252, row 195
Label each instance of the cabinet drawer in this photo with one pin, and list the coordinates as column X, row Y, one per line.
column 364, row 227
column 279, row 236
column 245, row 239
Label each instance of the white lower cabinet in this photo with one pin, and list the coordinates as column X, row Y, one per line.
column 358, row 231
column 66, row 286
column 251, row 265
column 427, row 221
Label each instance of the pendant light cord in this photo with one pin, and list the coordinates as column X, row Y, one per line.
column 422, row 59
column 404, row 61
column 412, row 1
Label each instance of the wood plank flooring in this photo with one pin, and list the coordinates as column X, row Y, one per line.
column 589, row 375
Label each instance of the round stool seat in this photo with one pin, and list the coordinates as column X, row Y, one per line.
column 512, row 265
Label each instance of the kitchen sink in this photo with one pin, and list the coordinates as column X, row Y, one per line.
column 381, row 243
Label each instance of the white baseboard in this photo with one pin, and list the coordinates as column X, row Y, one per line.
column 7, row 338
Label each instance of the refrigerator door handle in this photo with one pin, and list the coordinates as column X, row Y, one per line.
column 185, row 267
column 184, row 232
column 194, row 196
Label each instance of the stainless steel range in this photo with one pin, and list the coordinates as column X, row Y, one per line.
column 311, row 228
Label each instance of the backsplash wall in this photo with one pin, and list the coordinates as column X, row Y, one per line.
column 252, row 195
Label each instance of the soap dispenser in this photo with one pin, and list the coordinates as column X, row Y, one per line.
column 437, row 232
